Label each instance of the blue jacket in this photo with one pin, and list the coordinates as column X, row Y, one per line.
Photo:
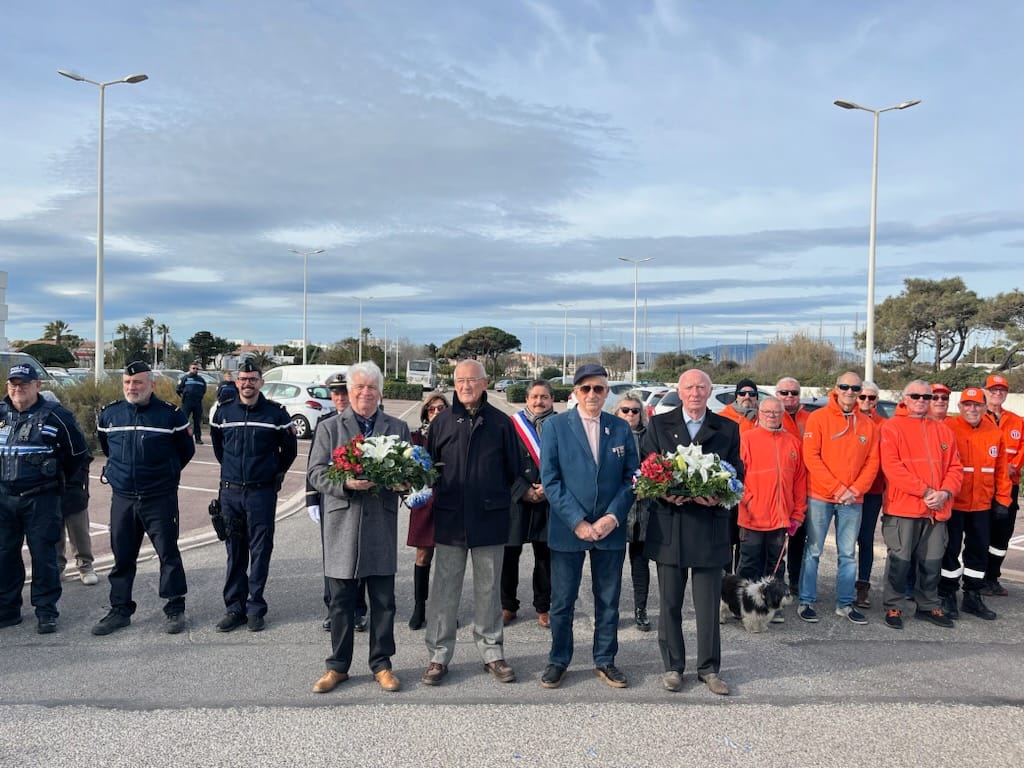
column 253, row 443
column 146, row 446
column 40, row 446
column 191, row 387
column 579, row 489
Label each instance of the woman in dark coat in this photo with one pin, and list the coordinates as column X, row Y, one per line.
column 631, row 408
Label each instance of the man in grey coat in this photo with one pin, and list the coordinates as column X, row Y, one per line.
column 360, row 533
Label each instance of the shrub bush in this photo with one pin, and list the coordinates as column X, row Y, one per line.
column 516, row 393
column 399, row 390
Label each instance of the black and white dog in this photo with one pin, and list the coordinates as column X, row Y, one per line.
column 752, row 602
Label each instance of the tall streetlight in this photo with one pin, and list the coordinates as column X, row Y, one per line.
column 636, row 273
column 305, row 272
column 536, row 350
column 574, row 364
column 99, row 208
column 360, row 333
column 565, row 339
column 869, row 325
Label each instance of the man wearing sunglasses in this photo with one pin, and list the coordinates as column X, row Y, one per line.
column 587, row 462
column 841, row 453
column 794, row 421
column 923, row 475
column 939, row 408
column 1002, row 522
column 743, row 410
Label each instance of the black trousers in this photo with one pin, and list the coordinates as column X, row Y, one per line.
column 541, row 577
column 360, row 593
column 1001, row 531
column 707, row 597
column 157, row 517
column 759, row 553
column 796, row 553
column 640, row 573
column 969, row 532
column 37, row 521
column 193, row 409
column 248, row 550
column 380, row 591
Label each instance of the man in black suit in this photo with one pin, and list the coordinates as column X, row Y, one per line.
column 691, row 534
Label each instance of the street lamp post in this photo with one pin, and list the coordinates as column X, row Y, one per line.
column 574, row 363
column 869, row 325
column 636, row 273
column 99, row 208
column 360, row 330
column 565, row 339
column 305, row 273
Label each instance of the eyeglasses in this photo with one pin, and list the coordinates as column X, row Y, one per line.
column 970, row 404
column 470, row 380
column 436, row 408
column 872, row 398
column 941, row 398
column 776, row 414
column 919, row 395
column 849, row 387
column 747, row 393
column 24, row 384
column 634, row 411
column 599, row 389
column 247, row 379
column 788, row 392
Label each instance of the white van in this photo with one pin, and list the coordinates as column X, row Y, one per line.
column 309, row 374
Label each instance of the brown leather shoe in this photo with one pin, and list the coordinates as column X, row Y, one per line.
column 715, row 684
column 435, row 673
column 329, row 681
column 501, row 670
column 507, row 617
column 544, row 619
column 388, row 680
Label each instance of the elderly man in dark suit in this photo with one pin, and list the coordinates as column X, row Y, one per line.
column 691, row 534
column 360, row 532
column 588, row 458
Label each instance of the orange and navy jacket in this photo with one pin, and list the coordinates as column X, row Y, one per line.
column 983, row 456
column 919, row 454
column 775, row 483
column 733, row 415
column 1012, row 426
column 840, row 451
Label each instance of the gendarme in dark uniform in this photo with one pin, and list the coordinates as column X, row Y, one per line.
column 192, row 389
column 147, row 443
column 40, row 446
column 254, row 441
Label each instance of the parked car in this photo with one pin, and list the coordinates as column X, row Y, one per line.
column 653, row 393
column 500, row 386
column 618, row 389
column 721, row 396
column 305, row 403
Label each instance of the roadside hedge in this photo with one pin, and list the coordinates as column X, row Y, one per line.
column 399, row 390
column 517, row 393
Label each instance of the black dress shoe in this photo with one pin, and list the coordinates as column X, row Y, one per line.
column 47, row 625
column 552, row 677
column 327, row 624
column 360, row 623
column 642, row 622
column 611, row 675
column 231, row 622
column 256, row 623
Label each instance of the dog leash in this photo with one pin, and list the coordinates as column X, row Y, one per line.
column 782, row 553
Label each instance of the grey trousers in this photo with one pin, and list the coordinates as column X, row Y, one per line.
column 76, row 530
column 446, row 593
column 912, row 540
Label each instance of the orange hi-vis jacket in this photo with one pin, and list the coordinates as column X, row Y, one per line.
column 983, row 456
column 1012, row 426
column 919, row 454
column 840, row 451
column 775, row 483
column 733, row 415
column 878, row 485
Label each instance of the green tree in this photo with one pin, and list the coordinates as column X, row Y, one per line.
column 204, row 346
column 148, row 324
column 132, row 344
column 56, row 330
column 810, row 361
column 50, row 354
column 164, row 330
column 1005, row 313
column 550, row 372
column 487, row 342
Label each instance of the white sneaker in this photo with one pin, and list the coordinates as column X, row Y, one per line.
column 89, row 577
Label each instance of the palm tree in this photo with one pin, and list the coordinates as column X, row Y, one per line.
column 123, row 329
column 164, row 330
column 56, row 330
column 148, row 323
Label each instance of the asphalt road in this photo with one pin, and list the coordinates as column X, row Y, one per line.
column 804, row 695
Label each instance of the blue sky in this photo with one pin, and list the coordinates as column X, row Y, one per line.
column 479, row 163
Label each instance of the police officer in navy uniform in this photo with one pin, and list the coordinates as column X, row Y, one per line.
column 147, row 442
column 40, row 446
column 254, row 441
column 191, row 389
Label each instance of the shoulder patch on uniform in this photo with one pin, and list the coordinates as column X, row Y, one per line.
column 112, row 402
column 274, row 402
column 1015, row 434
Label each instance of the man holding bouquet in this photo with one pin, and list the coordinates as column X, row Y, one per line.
column 687, row 533
column 360, row 532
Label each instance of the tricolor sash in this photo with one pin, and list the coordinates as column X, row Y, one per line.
column 528, row 434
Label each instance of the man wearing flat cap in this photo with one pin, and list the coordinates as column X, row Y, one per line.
column 40, row 446
column 587, row 462
column 147, row 443
column 254, row 441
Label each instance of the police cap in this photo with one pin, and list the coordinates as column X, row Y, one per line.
column 24, row 372
column 249, row 366
column 138, row 366
column 337, row 381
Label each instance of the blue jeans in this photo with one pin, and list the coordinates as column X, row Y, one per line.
column 819, row 517
column 606, row 581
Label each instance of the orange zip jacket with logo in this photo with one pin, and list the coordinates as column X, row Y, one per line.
column 1012, row 427
column 840, row 450
column 983, row 456
column 775, row 483
column 919, row 454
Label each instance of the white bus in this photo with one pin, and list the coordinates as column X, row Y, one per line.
column 421, row 372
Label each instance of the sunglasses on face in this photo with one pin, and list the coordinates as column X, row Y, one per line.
column 941, row 398
column 788, row 392
column 634, row 411
column 919, row 396
column 872, row 398
column 747, row 393
column 436, row 408
column 848, row 387
column 598, row 389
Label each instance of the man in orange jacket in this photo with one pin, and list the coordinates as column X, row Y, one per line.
column 775, row 493
column 986, row 486
column 923, row 475
column 794, row 421
column 743, row 410
column 841, row 454
column 1002, row 521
